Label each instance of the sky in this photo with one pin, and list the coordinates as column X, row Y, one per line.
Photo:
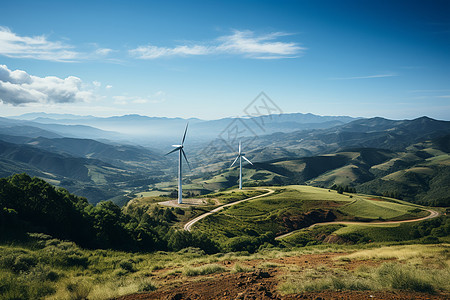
column 210, row 59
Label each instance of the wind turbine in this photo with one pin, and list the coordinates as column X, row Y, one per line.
column 181, row 153
column 240, row 157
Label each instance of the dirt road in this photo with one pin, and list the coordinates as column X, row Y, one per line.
column 189, row 224
column 433, row 214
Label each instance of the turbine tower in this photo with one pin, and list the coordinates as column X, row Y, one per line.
column 240, row 157
column 180, row 154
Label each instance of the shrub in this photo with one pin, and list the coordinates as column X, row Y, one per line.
column 79, row 290
column 237, row 268
column 127, row 265
column 24, row 263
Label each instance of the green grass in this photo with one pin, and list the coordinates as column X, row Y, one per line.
column 154, row 193
column 203, row 270
column 234, row 195
column 374, row 209
column 379, row 233
column 54, row 269
column 269, row 214
column 238, row 268
column 48, row 268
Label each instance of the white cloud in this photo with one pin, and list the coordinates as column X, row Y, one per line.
column 365, row 77
column 108, row 86
column 103, row 51
column 97, row 83
column 37, row 47
column 244, row 43
column 18, row 88
column 151, row 52
column 157, row 97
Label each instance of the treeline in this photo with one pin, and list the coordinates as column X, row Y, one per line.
column 31, row 204
column 343, row 189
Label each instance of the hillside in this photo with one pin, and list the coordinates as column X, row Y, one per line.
column 419, row 173
column 122, row 155
column 363, row 154
column 365, row 133
column 157, row 261
column 246, row 225
column 96, row 179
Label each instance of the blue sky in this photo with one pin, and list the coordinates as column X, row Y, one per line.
column 209, row 59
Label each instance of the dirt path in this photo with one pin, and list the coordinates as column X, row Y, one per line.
column 433, row 214
column 189, row 224
column 186, row 202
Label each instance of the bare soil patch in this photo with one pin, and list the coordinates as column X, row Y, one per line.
column 186, row 202
column 262, row 283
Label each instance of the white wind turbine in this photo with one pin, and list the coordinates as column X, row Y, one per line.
column 240, row 157
column 181, row 153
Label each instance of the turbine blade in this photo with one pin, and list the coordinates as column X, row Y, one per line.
column 234, row 161
column 247, row 160
column 176, row 149
column 184, row 154
column 239, row 147
column 184, row 136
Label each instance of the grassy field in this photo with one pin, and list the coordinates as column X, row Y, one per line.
column 377, row 209
column 53, row 269
column 294, row 207
column 419, row 268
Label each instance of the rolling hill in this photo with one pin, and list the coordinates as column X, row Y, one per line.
column 365, row 133
column 90, row 177
column 296, row 207
column 126, row 156
column 419, row 174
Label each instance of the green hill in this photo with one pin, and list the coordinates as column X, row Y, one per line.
column 250, row 223
column 419, row 174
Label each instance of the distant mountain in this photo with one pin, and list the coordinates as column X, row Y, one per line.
column 419, row 173
column 33, row 116
column 93, row 178
column 157, row 128
column 126, row 156
column 27, row 131
column 365, row 133
column 374, row 155
column 52, row 163
column 35, row 129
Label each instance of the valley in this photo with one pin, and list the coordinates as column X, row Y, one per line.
column 354, row 210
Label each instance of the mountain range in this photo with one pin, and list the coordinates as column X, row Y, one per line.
column 375, row 155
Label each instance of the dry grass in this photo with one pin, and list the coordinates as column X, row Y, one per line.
column 404, row 252
column 420, row 268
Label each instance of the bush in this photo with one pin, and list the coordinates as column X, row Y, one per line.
column 430, row 240
column 24, row 263
column 127, row 265
column 79, row 290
